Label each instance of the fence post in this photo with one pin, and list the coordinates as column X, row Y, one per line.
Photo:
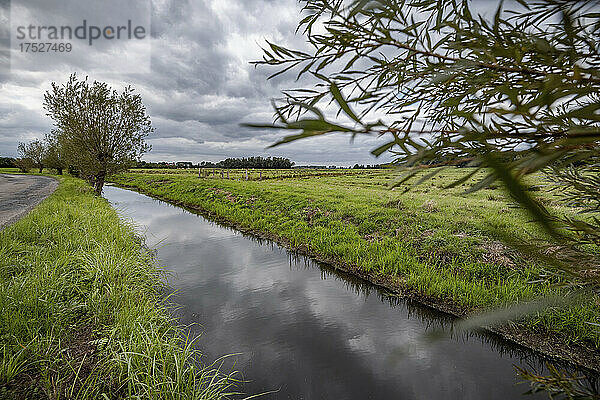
column 246, row 174
column 227, row 174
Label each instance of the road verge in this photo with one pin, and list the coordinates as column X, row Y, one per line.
column 83, row 309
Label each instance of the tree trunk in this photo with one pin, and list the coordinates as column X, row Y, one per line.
column 99, row 183
column 59, row 170
column 41, row 169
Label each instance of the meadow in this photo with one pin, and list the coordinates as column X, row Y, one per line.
column 85, row 312
column 250, row 174
column 439, row 245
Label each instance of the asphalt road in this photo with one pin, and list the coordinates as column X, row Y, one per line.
column 21, row 193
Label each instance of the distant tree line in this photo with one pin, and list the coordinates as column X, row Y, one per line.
column 155, row 165
column 7, row 162
column 375, row 166
column 230, row 163
column 256, row 162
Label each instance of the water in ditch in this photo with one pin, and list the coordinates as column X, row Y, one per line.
column 304, row 331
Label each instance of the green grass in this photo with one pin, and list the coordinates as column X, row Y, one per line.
column 439, row 242
column 83, row 312
column 253, row 174
column 45, row 171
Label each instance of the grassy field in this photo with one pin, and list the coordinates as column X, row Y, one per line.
column 439, row 243
column 83, row 313
column 252, row 174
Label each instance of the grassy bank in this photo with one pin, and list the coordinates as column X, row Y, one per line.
column 82, row 310
column 439, row 244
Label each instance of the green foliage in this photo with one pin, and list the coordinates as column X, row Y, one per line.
column 253, row 162
column 559, row 384
column 35, row 152
column 83, row 313
column 55, row 157
column 23, row 164
column 101, row 131
column 7, row 162
column 515, row 93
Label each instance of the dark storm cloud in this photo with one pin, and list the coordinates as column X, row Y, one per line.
column 201, row 85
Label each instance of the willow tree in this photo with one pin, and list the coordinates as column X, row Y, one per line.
column 102, row 131
column 55, row 157
column 35, row 152
column 512, row 94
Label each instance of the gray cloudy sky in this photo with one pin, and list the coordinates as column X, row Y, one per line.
column 196, row 80
column 198, row 90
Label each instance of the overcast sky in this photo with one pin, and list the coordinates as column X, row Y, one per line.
column 198, row 89
column 194, row 77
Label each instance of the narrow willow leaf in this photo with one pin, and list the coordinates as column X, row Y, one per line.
column 337, row 95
